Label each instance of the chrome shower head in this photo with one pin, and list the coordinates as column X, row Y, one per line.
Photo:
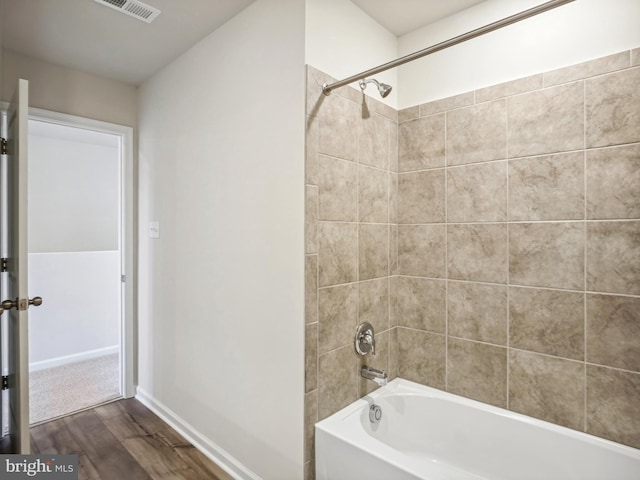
column 383, row 88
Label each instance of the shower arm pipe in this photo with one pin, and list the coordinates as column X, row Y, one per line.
column 328, row 88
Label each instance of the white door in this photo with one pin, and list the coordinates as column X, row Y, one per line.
column 17, row 302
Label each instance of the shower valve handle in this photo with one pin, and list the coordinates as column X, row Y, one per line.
column 365, row 341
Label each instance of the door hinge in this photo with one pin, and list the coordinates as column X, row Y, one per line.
column 4, row 264
column 5, row 382
column 3, row 146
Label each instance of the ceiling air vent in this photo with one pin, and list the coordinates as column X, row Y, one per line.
column 133, row 8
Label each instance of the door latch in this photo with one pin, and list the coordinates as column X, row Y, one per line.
column 20, row 304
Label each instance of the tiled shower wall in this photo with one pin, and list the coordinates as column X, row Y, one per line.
column 501, row 262
column 351, row 225
column 519, row 246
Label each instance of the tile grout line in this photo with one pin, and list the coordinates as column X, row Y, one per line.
column 317, row 228
column 446, row 255
column 389, row 193
column 359, row 132
column 508, row 286
column 585, row 265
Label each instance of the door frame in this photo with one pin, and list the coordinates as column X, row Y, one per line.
column 127, row 267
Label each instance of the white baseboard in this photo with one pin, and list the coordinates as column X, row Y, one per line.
column 76, row 357
column 209, row 448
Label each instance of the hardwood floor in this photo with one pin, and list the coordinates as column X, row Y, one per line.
column 124, row 440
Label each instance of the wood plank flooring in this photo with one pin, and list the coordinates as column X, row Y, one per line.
column 124, row 440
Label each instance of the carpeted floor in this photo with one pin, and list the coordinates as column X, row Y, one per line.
column 68, row 388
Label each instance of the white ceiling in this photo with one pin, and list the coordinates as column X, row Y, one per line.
column 88, row 36
column 404, row 16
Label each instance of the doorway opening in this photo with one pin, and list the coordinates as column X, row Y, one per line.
column 80, row 240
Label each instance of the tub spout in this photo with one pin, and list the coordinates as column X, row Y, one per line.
column 375, row 375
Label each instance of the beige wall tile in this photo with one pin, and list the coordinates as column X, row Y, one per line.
column 421, row 357
column 311, row 357
column 421, row 144
column 477, row 371
column 420, row 303
column 477, row 133
column 507, row 89
column 477, row 193
column 315, row 97
column 393, row 354
column 312, row 145
column 337, row 382
column 338, row 247
column 613, row 405
column 546, row 121
column 591, row 68
column 311, row 288
column 422, row 250
column 635, row 57
column 547, row 321
column 393, row 250
column 374, row 304
column 613, row 250
column 339, row 122
column 374, row 141
column 612, row 106
column 309, row 471
column 373, row 251
column 380, row 361
column 547, row 255
column 410, row 113
column 353, row 93
column 337, row 316
column 477, row 252
column 421, row 197
column 393, row 301
column 613, row 182
column 338, row 189
column 373, row 195
column 393, row 147
column 613, row 331
column 393, row 198
column 548, row 388
column 448, row 103
column 477, row 311
column 547, row 188
column 310, row 419
column 379, row 108
column 311, row 220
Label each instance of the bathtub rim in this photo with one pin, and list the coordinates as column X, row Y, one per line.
column 332, row 424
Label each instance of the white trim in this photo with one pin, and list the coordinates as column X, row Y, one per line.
column 209, row 448
column 127, row 345
column 76, row 357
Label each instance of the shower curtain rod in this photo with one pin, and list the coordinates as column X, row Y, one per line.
column 326, row 89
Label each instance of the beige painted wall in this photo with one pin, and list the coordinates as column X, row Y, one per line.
column 60, row 89
column 221, row 290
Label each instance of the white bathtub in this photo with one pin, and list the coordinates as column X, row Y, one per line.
column 428, row 434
